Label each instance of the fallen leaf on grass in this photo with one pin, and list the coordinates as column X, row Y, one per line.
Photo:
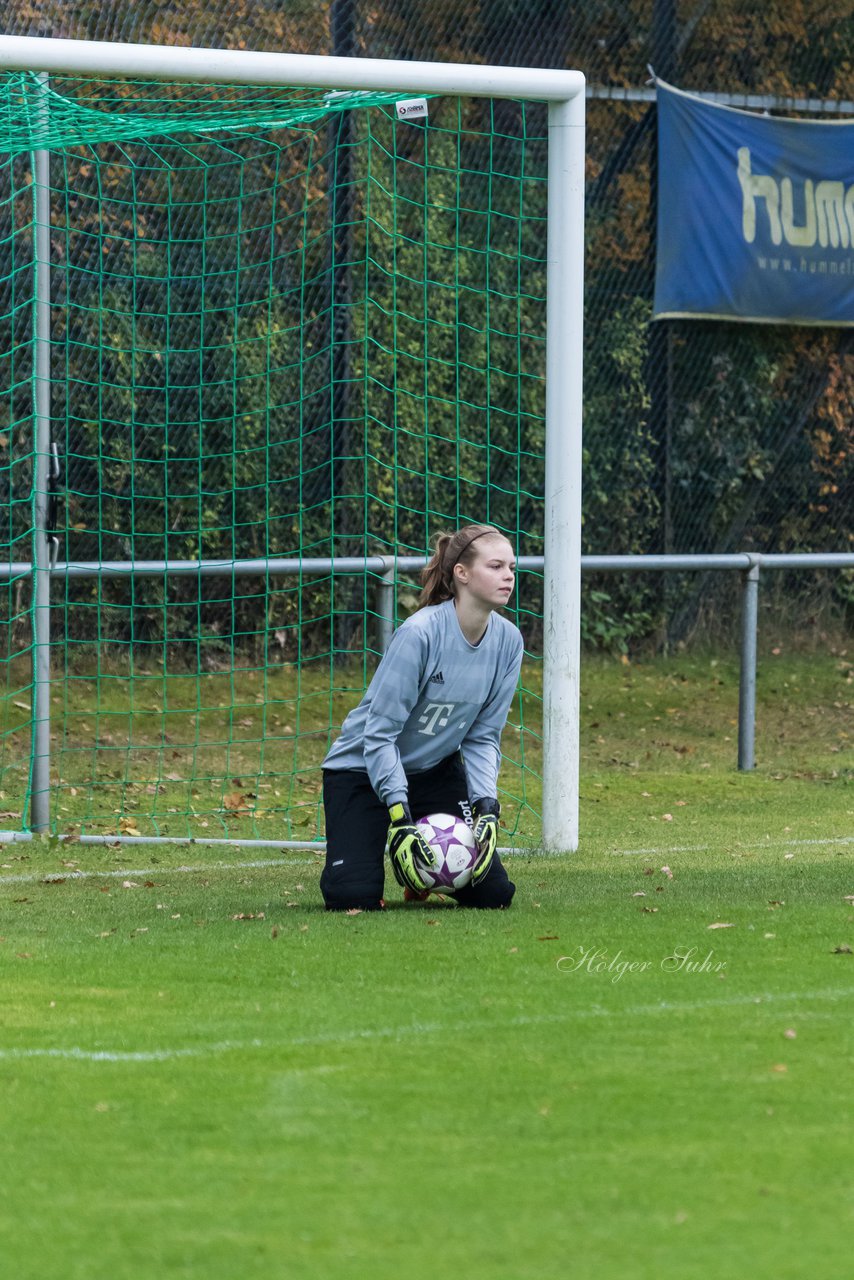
column 790, row 1033
column 650, row 911
column 720, row 924
column 843, row 950
column 640, row 894
column 249, row 915
column 54, row 880
column 780, row 1067
column 351, row 911
column 667, row 872
column 235, row 802
column 548, row 937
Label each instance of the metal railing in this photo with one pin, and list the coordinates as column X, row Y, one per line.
column 388, row 569
column 749, row 564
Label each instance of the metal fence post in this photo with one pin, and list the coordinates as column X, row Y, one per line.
column 747, row 678
column 385, row 604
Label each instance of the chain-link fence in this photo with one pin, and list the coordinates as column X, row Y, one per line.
column 700, row 436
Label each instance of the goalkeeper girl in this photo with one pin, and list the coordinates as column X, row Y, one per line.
column 425, row 737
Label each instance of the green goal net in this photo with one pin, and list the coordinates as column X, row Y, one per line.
column 291, row 337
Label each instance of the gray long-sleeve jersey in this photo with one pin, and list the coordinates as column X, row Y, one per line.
column 432, row 694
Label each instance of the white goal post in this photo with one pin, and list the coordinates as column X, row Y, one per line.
column 563, row 91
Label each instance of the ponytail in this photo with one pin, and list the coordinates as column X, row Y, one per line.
column 437, row 577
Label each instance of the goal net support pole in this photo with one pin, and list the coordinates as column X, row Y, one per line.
column 562, row 545
column 563, row 91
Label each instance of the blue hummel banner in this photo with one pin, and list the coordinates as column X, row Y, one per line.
column 755, row 215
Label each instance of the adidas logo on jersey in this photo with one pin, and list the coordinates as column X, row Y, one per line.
column 438, row 678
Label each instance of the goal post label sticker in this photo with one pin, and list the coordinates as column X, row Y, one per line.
column 411, row 109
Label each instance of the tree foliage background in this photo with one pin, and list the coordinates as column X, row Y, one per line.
column 699, row 436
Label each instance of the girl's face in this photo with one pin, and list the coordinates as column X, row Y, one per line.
column 491, row 576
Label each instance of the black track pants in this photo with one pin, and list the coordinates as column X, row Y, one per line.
column 357, row 826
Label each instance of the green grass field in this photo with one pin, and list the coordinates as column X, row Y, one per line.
column 643, row 1070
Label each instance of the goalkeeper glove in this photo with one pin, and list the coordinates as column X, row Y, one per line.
column 407, row 848
column 485, row 813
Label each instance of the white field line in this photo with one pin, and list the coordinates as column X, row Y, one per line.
column 411, row 1030
column 256, row 864
column 28, row 877
column 741, row 844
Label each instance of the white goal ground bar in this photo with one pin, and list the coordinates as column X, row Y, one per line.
column 406, row 1031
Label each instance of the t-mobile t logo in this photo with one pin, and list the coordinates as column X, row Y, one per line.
column 435, row 716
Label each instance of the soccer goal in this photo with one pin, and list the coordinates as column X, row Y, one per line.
column 267, row 323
